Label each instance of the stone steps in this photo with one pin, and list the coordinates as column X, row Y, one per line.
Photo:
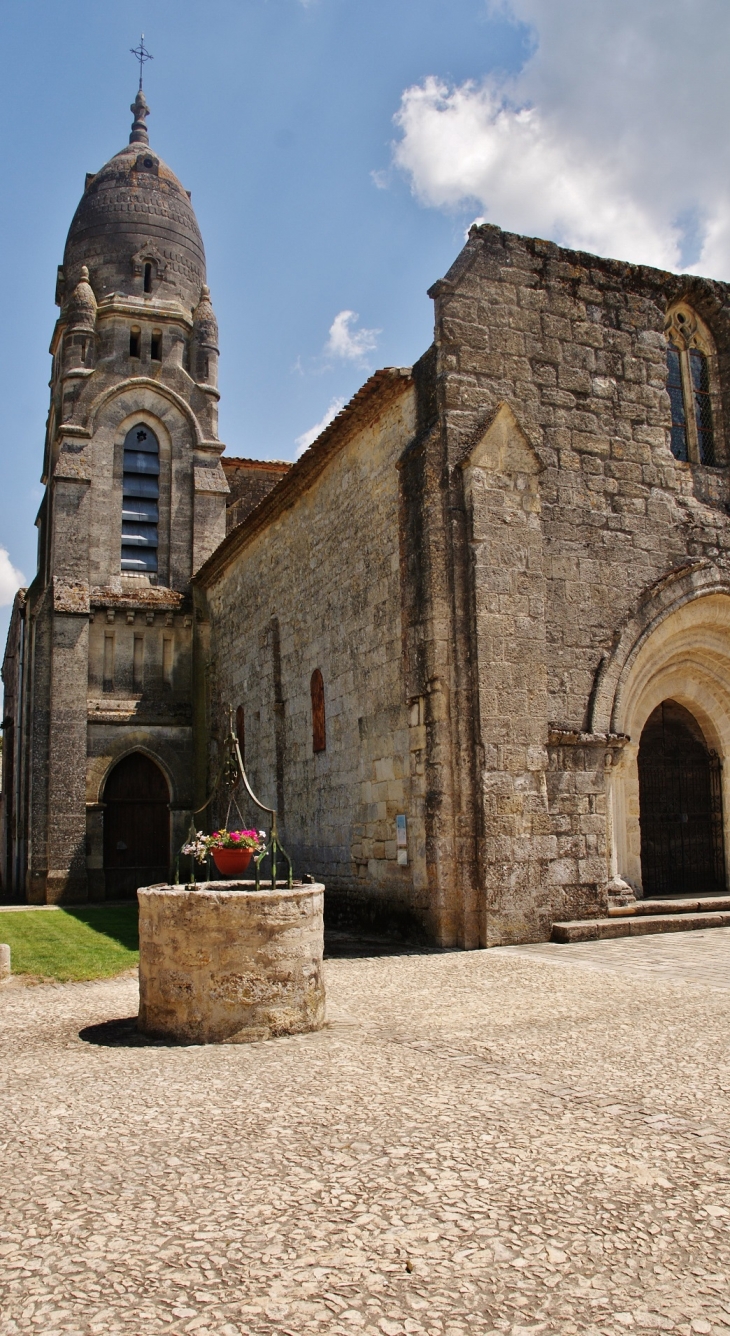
column 641, row 924
column 680, row 905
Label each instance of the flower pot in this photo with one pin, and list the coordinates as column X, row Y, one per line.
column 232, row 862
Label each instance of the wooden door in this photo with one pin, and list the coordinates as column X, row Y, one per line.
column 680, row 806
column 136, row 826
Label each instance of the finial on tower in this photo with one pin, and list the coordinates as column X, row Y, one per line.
column 140, row 110
column 139, row 107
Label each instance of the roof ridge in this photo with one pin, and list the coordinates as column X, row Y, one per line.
column 260, row 463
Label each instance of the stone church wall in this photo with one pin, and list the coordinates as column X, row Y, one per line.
column 573, row 346
column 318, row 587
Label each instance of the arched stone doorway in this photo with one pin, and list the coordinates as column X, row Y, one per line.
column 136, row 826
column 680, row 806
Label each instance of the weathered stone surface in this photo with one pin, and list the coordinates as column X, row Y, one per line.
column 223, row 963
column 70, row 595
column 249, row 480
column 337, row 807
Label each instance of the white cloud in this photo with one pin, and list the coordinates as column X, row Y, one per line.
column 11, row 579
column 611, row 138
column 352, row 344
column 304, row 441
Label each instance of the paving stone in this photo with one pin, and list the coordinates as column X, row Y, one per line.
column 512, row 1141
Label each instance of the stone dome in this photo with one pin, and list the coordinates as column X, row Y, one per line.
column 134, row 209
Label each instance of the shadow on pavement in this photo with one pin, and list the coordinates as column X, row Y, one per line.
column 339, row 945
column 123, row 1033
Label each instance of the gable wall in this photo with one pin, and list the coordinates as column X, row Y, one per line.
column 575, row 346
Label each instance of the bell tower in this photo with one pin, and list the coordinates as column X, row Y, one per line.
column 134, row 503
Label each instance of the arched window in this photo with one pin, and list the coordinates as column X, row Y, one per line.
column 148, row 277
column 689, row 385
column 156, row 345
column 241, row 732
column 140, row 496
column 135, row 342
column 319, row 732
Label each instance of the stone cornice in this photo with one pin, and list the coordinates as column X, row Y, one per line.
column 143, row 308
column 147, row 598
column 574, row 737
column 72, row 429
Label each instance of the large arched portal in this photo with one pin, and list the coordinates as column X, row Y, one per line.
column 136, row 826
column 680, row 806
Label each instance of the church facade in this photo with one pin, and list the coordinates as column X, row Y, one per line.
column 476, row 640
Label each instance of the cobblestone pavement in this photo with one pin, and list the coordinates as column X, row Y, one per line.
column 497, row 1141
column 702, row 956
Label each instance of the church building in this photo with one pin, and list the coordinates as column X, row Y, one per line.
column 476, row 640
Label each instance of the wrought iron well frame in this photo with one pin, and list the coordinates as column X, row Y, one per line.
column 231, row 772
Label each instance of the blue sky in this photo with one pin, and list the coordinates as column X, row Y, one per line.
column 336, row 151
column 274, row 115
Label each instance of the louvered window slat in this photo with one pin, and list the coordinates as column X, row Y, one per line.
column 140, row 493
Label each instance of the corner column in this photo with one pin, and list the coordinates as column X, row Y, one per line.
column 66, row 878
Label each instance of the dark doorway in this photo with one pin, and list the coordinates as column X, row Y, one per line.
column 136, row 827
column 680, row 806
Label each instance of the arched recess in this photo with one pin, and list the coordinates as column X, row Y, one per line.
column 680, row 807
column 136, row 826
column 164, row 755
column 682, row 654
column 142, row 392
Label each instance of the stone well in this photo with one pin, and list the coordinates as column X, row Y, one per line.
column 222, row 963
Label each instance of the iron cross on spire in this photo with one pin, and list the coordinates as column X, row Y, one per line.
column 141, row 54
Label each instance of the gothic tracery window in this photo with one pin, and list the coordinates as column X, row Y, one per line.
column 140, row 500
column 690, row 353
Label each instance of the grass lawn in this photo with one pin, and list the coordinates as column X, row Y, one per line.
column 84, row 943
